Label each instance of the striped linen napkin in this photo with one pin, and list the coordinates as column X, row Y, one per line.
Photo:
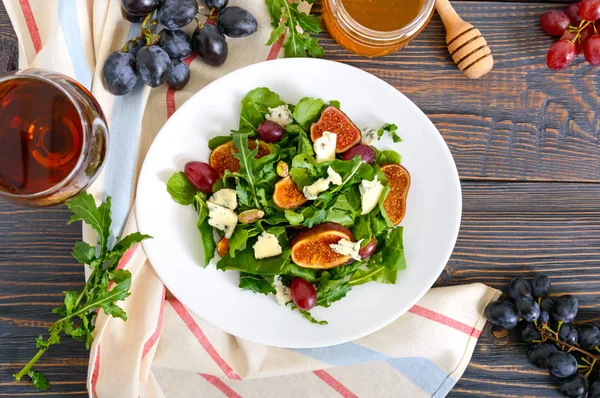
column 165, row 351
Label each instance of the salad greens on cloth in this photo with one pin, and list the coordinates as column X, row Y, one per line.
column 259, row 238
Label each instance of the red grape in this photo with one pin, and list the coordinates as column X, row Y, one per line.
column 583, row 36
column 368, row 249
column 560, row 54
column 366, row 153
column 555, row 22
column 591, row 50
column 573, row 13
column 589, row 10
column 201, row 175
column 304, row 294
column 270, row 131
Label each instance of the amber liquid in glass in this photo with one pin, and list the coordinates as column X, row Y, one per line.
column 383, row 15
column 41, row 136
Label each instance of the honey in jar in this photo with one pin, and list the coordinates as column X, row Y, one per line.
column 376, row 27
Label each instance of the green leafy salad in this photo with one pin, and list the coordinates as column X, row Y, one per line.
column 299, row 201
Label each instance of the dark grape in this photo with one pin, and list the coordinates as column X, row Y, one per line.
column 565, row 308
column 132, row 17
column 210, row 45
column 530, row 333
column 591, row 50
column 537, row 354
column 589, row 10
column 594, row 391
column 502, row 313
column 589, row 336
column 175, row 14
column 540, row 285
column 366, row 153
column 561, row 364
column 201, row 175
column 528, row 309
column 175, row 42
column 544, row 318
column 304, row 294
column 178, row 75
column 560, row 54
column 554, row 22
column 368, row 249
column 547, row 304
column 236, row 22
column 574, row 386
column 216, row 4
column 519, row 287
column 568, row 334
column 572, row 12
column 140, row 7
column 153, row 65
column 119, row 72
column 135, row 46
column 270, row 131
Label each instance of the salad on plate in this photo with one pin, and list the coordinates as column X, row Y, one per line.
column 299, row 201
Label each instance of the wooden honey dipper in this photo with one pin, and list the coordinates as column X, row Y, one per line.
column 468, row 48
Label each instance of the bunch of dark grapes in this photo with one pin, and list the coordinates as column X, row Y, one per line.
column 577, row 27
column 568, row 352
column 155, row 56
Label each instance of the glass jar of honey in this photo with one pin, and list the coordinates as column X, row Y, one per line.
column 376, row 27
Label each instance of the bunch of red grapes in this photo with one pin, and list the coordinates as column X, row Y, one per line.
column 577, row 28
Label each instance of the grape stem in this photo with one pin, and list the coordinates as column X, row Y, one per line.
column 548, row 334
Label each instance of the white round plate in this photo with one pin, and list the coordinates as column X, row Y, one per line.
column 430, row 227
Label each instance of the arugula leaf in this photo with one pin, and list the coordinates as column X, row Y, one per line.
column 293, row 217
column 254, row 106
column 256, row 283
column 217, row 141
column 335, row 103
column 245, row 261
column 39, row 380
column 328, row 297
column 393, row 251
column 240, row 237
column 207, row 235
column 180, row 189
column 380, row 274
column 84, row 253
column 304, row 144
column 308, row 274
column 391, row 130
column 127, row 242
column 299, row 25
column 84, row 209
column 387, row 156
column 306, row 314
column 362, row 230
column 246, row 159
column 307, row 111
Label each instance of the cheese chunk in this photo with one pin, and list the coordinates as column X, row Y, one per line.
column 280, row 115
column 311, row 192
column 222, row 218
column 369, row 136
column 334, row 177
column 224, row 197
column 325, row 147
column 347, row 248
column 283, row 293
column 370, row 191
column 267, row 245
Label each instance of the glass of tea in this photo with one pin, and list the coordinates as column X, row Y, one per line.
column 53, row 137
column 376, row 27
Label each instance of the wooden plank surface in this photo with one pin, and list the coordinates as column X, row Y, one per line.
column 522, row 123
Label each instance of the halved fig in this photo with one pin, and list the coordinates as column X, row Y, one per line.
column 310, row 248
column 287, row 195
column 395, row 202
column 336, row 121
column 222, row 159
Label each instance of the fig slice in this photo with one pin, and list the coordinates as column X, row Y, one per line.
column 222, row 159
column 287, row 195
column 336, row 121
column 395, row 202
column 310, row 248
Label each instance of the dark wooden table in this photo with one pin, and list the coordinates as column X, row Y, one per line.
column 525, row 140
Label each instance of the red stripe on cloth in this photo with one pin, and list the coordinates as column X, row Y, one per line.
column 32, row 27
column 202, row 339
column 96, row 372
column 218, row 383
column 154, row 338
column 171, row 106
column 276, row 48
column 444, row 320
column 333, row 383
